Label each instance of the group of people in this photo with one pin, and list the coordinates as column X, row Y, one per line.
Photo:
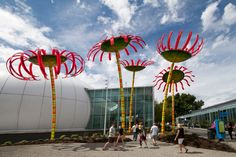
column 140, row 134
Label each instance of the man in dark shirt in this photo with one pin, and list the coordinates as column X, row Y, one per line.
column 180, row 137
column 120, row 136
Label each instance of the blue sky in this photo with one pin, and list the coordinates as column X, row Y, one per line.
column 76, row 25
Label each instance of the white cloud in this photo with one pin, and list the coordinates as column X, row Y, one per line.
column 229, row 16
column 174, row 8
column 77, row 1
column 124, row 10
column 17, row 31
column 104, row 20
column 153, row 3
column 21, row 6
column 211, row 22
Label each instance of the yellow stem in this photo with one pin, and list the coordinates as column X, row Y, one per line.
column 173, row 107
column 165, row 98
column 122, row 100
column 131, row 102
column 53, row 104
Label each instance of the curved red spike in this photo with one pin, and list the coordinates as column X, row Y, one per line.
column 31, row 71
column 126, row 51
column 138, row 44
column 144, row 63
column 127, row 63
column 125, row 37
column 109, row 55
column 132, row 62
column 162, row 46
column 158, row 47
column 176, row 87
column 95, row 54
column 199, row 48
column 112, row 40
column 40, row 63
column 138, row 62
column 178, row 39
column 194, row 44
column 23, row 63
column 168, row 43
column 187, row 41
column 123, row 63
column 134, row 48
column 58, row 67
column 186, row 82
column 189, row 78
column 181, row 85
column 160, row 85
column 101, row 56
column 66, row 69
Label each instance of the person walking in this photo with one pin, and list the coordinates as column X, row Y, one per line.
column 154, row 130
column 230, row 130
column 120, row 136
column 142, row 136
column 135, row 133
column 111, row 137
column 180, row 137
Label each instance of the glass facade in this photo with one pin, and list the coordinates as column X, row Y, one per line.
column 142, row 106
column 225, row 111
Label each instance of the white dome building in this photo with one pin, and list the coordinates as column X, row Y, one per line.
column 25, row 106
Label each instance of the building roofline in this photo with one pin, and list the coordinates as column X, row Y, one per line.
column 118, row 87
column 210, row 107
column 216, row 105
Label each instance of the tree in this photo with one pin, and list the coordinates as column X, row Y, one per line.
column 184, row 104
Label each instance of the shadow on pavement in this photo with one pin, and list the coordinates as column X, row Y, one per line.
column 156, row 147
column 194, row 152
column 88, row 147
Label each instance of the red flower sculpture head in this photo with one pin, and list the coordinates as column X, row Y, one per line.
column 56, row 60
column 177, row 53
column 179, row 75
column 114, row 45
column 135, row 66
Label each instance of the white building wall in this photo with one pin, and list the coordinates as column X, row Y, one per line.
column 25, row 106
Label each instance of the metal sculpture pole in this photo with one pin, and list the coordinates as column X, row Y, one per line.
column 165, row 98
column 131, row 102
column 134, row 66
column 173, row 107
column 122, row 100
column 53, row 103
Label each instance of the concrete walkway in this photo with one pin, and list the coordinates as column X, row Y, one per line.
column 95, row 150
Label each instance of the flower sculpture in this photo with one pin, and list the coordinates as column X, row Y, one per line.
column 175, row 54
column 115, row 45
column 71, row 62
column 179, row 75
column 134, row 67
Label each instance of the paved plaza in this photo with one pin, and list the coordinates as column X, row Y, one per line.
column 95, row 150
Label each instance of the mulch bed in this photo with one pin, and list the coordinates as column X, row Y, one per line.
column 194, row 140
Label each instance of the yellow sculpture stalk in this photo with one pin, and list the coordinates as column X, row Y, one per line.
column 122, row 100
column 131, row 102
column 165, row 97
column 53, row 104
column 173, row 107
